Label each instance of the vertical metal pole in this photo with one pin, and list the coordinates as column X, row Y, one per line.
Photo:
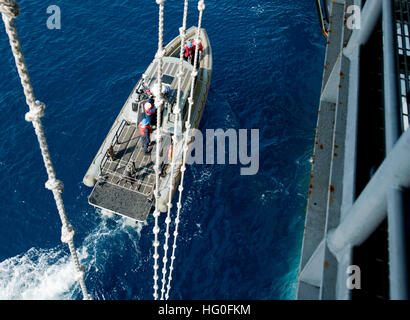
column 397, row 245
column 391, row 84
column 395, row 196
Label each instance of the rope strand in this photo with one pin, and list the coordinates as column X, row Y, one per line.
column 10, row 10
column 201, row 8
column 160, row 101
column 177, row 112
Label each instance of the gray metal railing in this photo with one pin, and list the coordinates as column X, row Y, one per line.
column 402, row 22
column 393, row 130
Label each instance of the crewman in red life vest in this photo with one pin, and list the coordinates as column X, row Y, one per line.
column 145, row 131
column 200, row 47
column 188, row 53
column 150, row 111
column 200, row 52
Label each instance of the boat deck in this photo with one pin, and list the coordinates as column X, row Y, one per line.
column 132, row 195
column 118, row 192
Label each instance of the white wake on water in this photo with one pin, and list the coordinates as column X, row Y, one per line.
column 38, row 274
column 48, row 274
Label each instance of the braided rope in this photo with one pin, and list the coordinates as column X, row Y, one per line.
column 177, row 112
column 201, row 8
column 156, row 213
column 10, row 10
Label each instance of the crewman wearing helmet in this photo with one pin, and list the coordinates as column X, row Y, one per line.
column 150, row 111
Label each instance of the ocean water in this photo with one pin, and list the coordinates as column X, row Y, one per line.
column 240, row 236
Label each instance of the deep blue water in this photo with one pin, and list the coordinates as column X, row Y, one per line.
column 240, row 236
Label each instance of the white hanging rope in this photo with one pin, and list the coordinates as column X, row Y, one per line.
column 159, row 102
column 201, row 8
column 10, row 10
column 177, row 112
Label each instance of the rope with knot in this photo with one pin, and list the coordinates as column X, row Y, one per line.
column 158, row 56
column 10, row 10
column 177, row 112
column 201, row 8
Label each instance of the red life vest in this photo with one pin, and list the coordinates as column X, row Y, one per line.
column 151, row 110
column 200, row 49
column 142, row 129
column 188, row 51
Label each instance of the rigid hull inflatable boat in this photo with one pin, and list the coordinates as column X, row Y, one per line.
column 132, row 195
